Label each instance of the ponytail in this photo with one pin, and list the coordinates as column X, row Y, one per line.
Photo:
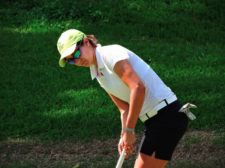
column 92, row 40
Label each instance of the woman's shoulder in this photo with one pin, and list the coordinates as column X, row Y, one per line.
column 113, row 48
column 111, row 54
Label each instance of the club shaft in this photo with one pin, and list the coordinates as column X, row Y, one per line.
column 121, row 159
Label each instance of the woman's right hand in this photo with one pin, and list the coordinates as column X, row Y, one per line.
column 120, row 146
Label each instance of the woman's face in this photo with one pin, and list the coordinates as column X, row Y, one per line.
column 87, row 54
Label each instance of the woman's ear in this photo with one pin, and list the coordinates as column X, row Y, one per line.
column 86, row 41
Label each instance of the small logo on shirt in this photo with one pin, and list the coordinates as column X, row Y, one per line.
column 99, row 74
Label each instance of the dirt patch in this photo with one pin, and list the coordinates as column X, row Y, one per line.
column 195, row 146
column 200, row 147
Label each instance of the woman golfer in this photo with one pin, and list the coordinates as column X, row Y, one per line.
column 136, row 90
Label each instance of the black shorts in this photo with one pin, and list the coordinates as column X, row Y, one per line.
column 164, row 131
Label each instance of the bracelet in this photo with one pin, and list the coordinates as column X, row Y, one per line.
column 129, row 130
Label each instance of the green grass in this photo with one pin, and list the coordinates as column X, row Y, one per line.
column 191, row 140
column 39, row 100
column 219, row 141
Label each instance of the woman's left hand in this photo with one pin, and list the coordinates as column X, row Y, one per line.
column 129, row 139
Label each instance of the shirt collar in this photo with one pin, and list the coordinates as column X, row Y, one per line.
column 93, row 69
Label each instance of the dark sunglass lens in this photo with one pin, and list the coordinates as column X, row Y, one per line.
column 72, row 61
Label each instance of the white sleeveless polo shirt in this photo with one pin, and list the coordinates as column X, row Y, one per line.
column 108, row 56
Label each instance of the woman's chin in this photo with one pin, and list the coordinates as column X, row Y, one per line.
column 85, row 65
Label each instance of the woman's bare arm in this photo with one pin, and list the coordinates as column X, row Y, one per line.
column 123, row 108
column 124, row 70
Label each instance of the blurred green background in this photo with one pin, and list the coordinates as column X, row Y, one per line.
column 39, row 100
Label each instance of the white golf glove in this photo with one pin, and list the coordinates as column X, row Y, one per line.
column 186, row 109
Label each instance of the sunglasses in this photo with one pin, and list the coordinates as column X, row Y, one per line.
column 77, row 53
